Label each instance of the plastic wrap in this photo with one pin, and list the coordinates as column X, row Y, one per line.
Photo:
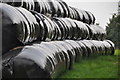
column 54, row 8
column 51, row 59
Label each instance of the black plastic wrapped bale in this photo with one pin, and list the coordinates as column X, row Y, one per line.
column 112, row 46
column 61, row 27
column 65, row 8
column 40, row 20
column 73, row 13
column 50, row 59
column 45, row 60
column 35, row 5
column 20, row 26
column 7, row 58
column 96, row 47
column 46, row 7
column 68, row 27
column 81, row 15
column 82, row 30
column 12, row 27
column 98, row 32
column 58, row 32
column 65, row 27
column 49, row 28
column 64, row 52
column 33, row 29
column 68, row 52
column 35, row 61
column 88, row 46
column 91, row 17
column 60, row 54
column 76, row 48
column 73, row 28
column 107, row 46
column 37, row 27
column 27, row 4
column 25, row 67
column 54, row 8
column 85, row 17
column 60, row 12
column 91, row 34
column 83, row 49
column 59, row 8
column 38, row 6
column 101, row 48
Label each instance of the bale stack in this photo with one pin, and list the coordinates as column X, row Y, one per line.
column 43, row 39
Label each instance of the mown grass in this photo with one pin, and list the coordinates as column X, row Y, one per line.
column 99, row 67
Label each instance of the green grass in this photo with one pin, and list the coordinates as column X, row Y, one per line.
column 117, row 52
column 100, row 67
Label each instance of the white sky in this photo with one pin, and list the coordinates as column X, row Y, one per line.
column 102, row 9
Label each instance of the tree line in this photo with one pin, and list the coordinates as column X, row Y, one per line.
column 113, row 30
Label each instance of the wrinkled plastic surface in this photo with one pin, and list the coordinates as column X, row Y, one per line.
column 98, row 32
column 36, row 27
column 48, row 20
column 54, row 8
column 12, row 26
column 26, row 27
column 50, row 59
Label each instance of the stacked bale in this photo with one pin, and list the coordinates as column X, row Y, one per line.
column 45, row 38
column 27, row 27
column 54, row 8
column 50, row 59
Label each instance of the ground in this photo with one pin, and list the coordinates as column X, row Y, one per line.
column 99, row 67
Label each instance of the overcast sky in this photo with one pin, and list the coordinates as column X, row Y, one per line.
column 102, row 9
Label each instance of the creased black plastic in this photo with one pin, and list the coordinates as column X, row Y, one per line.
column 12, row 27
column 19, row 25
column 51, row 59
column 33, row 29
column 98, row 32
column 54, row 8
column 31, row 26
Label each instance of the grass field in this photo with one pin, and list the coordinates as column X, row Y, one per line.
column 100, row 67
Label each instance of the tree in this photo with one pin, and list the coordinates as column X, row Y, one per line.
column 113, row 30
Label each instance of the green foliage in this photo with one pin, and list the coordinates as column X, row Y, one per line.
column 113, row 30
column 117, row 52
column 100, row 67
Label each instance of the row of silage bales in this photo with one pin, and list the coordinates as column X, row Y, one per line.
column 50, row 59
column 25, row 27
column 54, row 8
column 46, row 38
